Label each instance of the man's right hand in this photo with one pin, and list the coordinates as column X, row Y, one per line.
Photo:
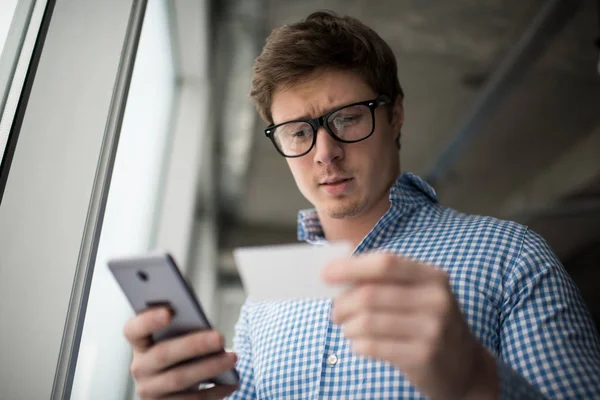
column 152, row 362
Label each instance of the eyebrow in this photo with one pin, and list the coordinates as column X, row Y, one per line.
column 306, row 116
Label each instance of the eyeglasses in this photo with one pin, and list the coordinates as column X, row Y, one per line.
column 347, row 124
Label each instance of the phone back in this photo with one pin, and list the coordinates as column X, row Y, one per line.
column 154, row 280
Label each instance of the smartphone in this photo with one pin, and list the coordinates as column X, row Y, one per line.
column 154, row 280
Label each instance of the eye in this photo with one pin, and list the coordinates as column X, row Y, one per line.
column 349, row 118
column 341, row 121
column 299, row 134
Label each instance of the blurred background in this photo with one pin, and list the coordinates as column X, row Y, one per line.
column 127, row 127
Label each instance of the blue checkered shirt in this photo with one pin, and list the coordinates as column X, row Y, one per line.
column 515, row 294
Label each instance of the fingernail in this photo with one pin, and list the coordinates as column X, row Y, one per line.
column 163, row 316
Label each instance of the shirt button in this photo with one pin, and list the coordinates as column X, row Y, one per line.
column 332, row 360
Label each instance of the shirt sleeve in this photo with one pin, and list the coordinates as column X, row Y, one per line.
column 242, row 346
column 549, row 345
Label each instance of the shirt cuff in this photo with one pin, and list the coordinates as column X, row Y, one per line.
column 513, row 386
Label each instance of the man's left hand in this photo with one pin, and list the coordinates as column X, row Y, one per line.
column 405, row 313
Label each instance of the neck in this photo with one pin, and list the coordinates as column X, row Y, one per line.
column 354, row 229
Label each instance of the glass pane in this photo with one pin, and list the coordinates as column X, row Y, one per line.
column 7, row 12
column 20, row 22
column 351, row 123
column 294, row 138
column 102, row 370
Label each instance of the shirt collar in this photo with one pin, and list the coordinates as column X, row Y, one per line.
column 408, row 192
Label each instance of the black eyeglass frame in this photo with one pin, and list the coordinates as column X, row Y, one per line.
column 321, row 121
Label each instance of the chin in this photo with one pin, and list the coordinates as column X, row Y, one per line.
column 345, row 209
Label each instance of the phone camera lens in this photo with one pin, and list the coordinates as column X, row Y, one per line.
column 143, row 276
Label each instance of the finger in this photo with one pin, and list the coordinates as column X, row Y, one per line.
column 380, row 297
column 213, row 393
column 139, row 329
column 185, row 376
column 377, row 267
column 173, row 351
column 384, row 325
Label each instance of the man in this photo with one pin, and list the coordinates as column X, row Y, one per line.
column 443, row 305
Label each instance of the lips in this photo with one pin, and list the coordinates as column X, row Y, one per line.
column 337, row 186
column 334, row 181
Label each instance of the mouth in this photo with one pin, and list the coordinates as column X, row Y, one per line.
column 334, row 181
column 337, row 186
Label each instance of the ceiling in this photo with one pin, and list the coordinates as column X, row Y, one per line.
column 535, row 156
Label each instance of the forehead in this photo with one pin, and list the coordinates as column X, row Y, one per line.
column 319, row 93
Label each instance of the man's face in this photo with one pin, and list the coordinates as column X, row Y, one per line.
column 341, row 180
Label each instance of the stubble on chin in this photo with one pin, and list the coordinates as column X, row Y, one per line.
column 347, row 210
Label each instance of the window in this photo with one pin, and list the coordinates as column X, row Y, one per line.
column 102, row 370
column 7, row 12
column 20, row 22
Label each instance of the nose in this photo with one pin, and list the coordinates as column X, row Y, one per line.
column 327, row 150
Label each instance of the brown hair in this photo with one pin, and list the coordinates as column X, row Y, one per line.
column 322, row 40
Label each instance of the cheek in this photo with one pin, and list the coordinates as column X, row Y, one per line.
column 375, row 159
column 384, row 145
column 299, row 169
column 303, row 178
column 372, row 154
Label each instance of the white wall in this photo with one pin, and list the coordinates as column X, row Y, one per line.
column 131, row 210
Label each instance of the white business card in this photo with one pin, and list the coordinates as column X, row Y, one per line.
column 287, row 272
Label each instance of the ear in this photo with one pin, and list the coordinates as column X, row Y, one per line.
column 397, row 114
